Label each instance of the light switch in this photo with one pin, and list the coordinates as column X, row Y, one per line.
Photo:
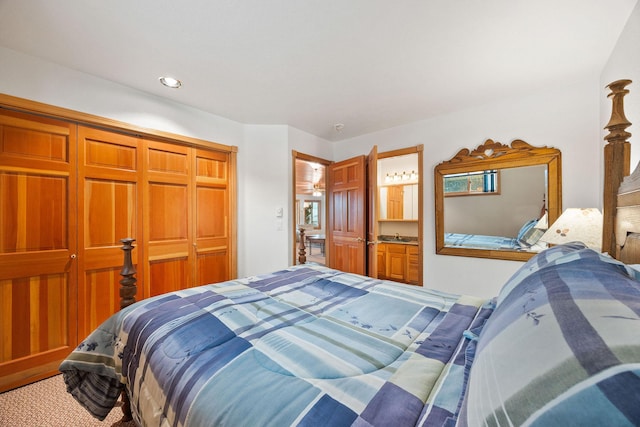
column 279, row 212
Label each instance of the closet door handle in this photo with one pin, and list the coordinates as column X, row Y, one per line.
column 73, row 256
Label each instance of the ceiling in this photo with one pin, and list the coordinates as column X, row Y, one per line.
column 310, row 176
column 366, row 64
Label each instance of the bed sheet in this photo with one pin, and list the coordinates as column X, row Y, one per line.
column 307, row 345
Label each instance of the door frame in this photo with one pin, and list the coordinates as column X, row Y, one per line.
column 371, row 177
column 296, row 155
column 418, row 149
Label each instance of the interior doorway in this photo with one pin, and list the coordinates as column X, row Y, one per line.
column 310, row 206
column 399, row 215
column 393, row 210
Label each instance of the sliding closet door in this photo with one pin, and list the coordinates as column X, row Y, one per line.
column 211, row 220
column 38, row 251
column 109, row 193
column 168, row 209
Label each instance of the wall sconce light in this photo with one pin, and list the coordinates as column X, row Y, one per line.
column 413, row 176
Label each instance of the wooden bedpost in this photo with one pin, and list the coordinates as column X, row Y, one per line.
column 128, row 286
column 302, row 252
column 128, row 291
column 617, row 153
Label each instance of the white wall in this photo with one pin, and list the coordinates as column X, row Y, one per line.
column 263, row 188
column 565, row 117
column 624, row 63
column 31, row 78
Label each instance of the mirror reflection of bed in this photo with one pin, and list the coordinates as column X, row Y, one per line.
column 497, row 209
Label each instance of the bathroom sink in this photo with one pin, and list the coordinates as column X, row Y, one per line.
column 400, row 239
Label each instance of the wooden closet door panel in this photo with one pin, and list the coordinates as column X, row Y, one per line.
column 168, row 201
column 110, row 198
column 211, row 216
column 37, row 246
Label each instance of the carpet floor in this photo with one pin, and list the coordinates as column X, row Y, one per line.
column 46, row 403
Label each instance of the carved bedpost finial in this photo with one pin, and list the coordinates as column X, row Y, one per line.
column 128, row 291
column 617, row 159
column 618, row 123
column 302, row 253
column 128, row 287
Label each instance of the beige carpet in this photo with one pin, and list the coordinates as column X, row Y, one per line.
column 47, row 404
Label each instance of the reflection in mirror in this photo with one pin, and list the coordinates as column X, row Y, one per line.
column 495, row 202
column 399, row 202
column 311, row 213
column 398, row 188
column 472, row 183
column 522, row 199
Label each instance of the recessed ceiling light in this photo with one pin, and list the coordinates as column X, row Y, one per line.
column 171, row 82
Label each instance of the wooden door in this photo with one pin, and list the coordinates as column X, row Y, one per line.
column 167, row 234
column 372, row 212
column 38, row 253
column 109, row 197
column 211, row 221
column 346, row 231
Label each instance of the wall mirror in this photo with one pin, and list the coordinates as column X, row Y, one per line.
column 311, row 213
column 496, row 201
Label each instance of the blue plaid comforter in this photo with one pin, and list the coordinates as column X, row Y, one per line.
column 303, row 346
column 562, row 346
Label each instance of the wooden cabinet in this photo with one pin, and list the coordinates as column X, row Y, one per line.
column 399, row 262
column 413, row 265
column 396, row 262
column 69, row 193
column 382, row 260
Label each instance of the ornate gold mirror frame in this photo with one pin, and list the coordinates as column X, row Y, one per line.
column 496, row 156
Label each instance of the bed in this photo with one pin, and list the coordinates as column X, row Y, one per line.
column 313, row 346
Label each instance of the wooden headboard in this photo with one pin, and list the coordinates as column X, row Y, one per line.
column 621, row 204
column 627, row 229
